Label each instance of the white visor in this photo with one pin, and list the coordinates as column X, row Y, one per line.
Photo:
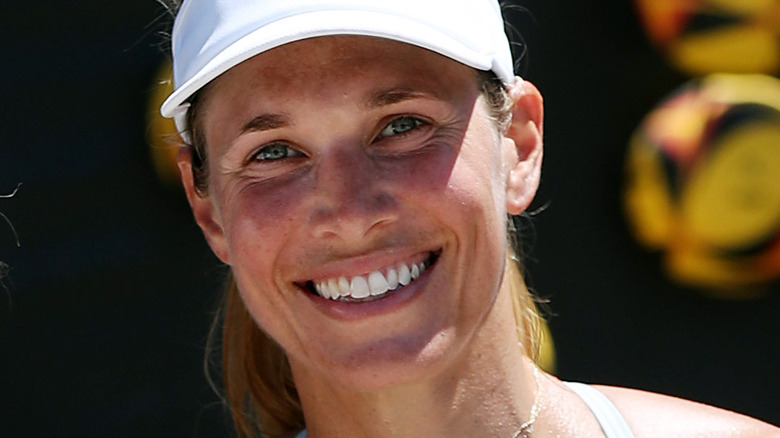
column 212, row 36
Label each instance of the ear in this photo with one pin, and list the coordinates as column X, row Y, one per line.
column 203, row 209
column 523, row 151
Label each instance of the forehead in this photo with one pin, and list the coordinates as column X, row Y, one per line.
column 321, row 66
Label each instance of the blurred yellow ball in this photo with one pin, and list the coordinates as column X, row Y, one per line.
column 710, row 36
column 162, row 136
column 703, row 182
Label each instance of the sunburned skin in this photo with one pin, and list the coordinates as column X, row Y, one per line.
column 345, row 175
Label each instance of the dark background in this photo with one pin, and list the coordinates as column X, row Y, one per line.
column 108, row 300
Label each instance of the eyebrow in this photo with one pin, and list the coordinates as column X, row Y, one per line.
column 391, row 96
column 265, row 122
column 268, row 121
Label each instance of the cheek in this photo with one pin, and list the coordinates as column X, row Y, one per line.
column 470, row 172
column 257, row 222
column 257, row 230
column 478, row 186
column 478, row 178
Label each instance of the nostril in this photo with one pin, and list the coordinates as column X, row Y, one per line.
column 355, row 216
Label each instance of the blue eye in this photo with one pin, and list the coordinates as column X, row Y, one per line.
column 400, row 125
column 275, row 151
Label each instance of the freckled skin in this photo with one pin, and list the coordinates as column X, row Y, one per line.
column 352, row 201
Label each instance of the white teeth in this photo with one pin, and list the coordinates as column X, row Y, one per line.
column 415, row 272
column 359, row 287
column 343, row 287
column 375, row 284
column 404, row 275
column 323, row 288
column 392, row 279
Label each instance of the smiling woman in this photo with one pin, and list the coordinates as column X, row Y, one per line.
column 354, row 163
column 281, row 156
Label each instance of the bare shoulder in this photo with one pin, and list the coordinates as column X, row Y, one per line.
column 655, row 415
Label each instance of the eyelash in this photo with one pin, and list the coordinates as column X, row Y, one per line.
column 290, row 152
column 415, row 123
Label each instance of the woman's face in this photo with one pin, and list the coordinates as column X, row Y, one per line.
column 338, row 164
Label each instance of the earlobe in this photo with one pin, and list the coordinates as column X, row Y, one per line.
column 202, row 207
column 524, row 146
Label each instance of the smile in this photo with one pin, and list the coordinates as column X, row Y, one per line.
column 374, row 285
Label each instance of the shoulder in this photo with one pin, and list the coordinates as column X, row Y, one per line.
column 655, row 415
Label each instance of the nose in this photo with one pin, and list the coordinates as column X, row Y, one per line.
column 351, row 198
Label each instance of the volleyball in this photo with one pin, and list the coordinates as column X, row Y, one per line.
column 709, row 36
column 703, row 182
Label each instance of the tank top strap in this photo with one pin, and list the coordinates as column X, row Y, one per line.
column 612, row 423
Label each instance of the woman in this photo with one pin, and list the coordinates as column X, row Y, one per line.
column 354, row 163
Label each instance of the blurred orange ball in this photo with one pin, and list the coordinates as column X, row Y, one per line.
column 163, row 138
column 710, row 36
column 703, row 182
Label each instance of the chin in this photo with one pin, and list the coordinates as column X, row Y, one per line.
column 387, row 363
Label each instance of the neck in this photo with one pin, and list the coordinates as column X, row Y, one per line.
column 487, row 391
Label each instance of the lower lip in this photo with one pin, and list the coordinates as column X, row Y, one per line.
column 352, row 311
